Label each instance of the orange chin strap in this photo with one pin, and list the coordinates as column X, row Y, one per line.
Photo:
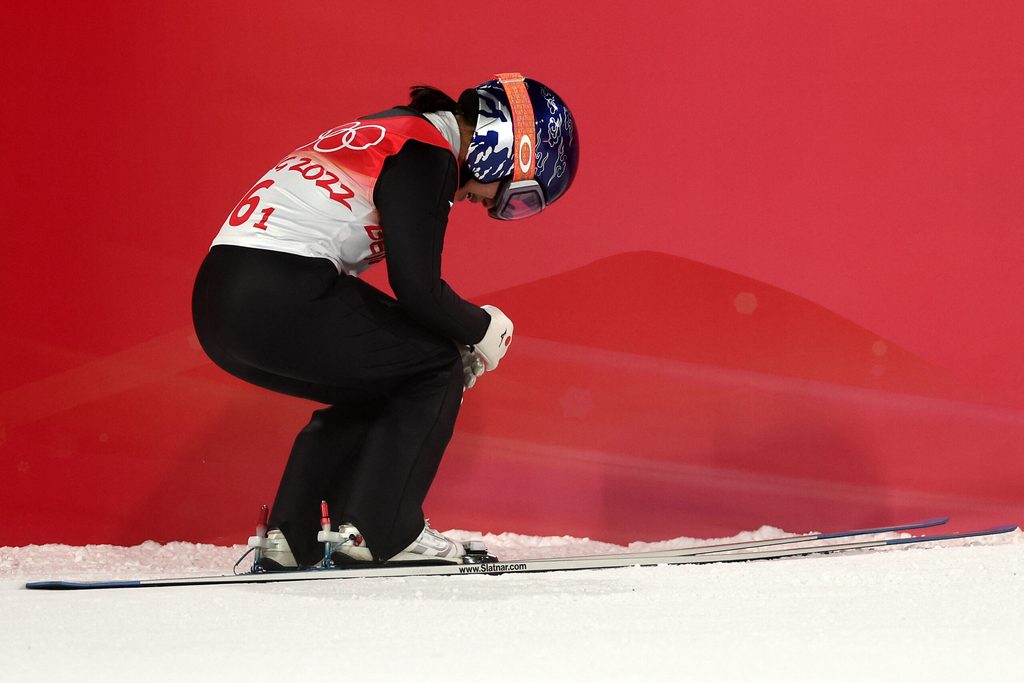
column 523, row 128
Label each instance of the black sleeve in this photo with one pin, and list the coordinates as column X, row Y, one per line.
column 413, row 196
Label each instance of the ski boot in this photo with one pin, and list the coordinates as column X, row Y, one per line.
column 431, row 547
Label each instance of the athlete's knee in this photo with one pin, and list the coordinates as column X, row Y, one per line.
column 320, row 419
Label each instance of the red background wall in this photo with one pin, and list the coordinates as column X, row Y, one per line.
column 785, row 288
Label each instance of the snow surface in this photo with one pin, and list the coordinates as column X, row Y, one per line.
column 943, row 612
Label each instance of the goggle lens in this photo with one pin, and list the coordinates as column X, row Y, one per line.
column 518, row 199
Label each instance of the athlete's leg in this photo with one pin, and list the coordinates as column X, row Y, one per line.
column 325, row 451
column 285, row 323
column 400, row 458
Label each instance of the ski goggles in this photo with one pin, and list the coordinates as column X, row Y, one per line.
column 517, row 199
column 519, row 196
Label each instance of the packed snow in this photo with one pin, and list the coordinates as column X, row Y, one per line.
column 949, row 611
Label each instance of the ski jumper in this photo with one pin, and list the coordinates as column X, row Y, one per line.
column 277, row 303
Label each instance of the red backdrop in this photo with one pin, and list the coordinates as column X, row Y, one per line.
column 785, row 288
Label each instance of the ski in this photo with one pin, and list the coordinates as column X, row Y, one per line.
column 783, row 540
column 748, row 553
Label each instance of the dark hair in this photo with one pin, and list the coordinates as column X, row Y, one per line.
column 426, row 99
column 469, row 105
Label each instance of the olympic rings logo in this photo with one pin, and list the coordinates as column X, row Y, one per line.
column 351, row 137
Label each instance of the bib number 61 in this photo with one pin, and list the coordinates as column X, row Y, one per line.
column 248, row 205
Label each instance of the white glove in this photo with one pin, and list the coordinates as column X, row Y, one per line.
column 493, row 346
column 472, row 367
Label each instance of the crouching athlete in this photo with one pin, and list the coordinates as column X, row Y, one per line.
column 278, row 302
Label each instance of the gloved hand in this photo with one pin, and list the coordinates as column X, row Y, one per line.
column 472, row 367
column 493, row 346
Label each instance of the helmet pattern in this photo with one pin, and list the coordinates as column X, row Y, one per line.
column 490, row 155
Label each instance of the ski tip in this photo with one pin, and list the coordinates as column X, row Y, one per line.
column 923, row 524
column 78, row 585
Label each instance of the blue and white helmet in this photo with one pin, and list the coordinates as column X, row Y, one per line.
column 493, row 149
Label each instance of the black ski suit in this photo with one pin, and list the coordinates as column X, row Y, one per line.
column 388, row 370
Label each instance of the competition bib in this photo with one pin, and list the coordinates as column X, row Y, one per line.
column 318, row 200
